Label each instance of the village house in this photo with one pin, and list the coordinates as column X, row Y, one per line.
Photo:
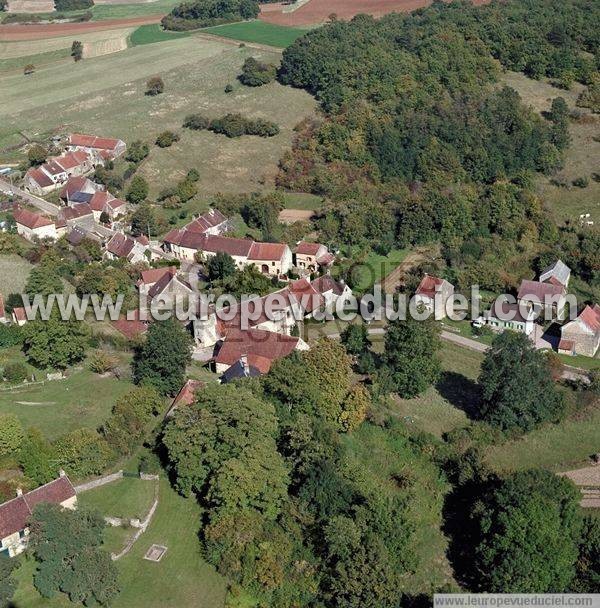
column 557, row 274
column 77, row 215
column 56, row 171
column 163, row 283
column 312, row 256
column 186, row 396
column 103, row 201
column 582, row 335
column 33, row 226
column 100, row 149
column 16, row 513
column 19, row 316
column 271, row 258
column 79, row 190
column 537, row 295
column 255, row 348
column 433, row 293
column 134, row 250
column 504, row 315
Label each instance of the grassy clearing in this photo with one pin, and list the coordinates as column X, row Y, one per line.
column 556, row 446
column 114, row 10
column 384, row 458
column 82, row 400
column 39, row 60
column 149, row 34
column 127, row 498
column 566, row 203
column 258, row 31
column 303, row 201
column 444, row 407
column 14, row 271
column 375, row 267
column 105, row 95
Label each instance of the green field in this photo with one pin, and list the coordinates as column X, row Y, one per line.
column 38, row 60
column 259, row 32
column 105, row 95
column 103, row 12
column 149, row 34
column 126, row 498
column 84, row 399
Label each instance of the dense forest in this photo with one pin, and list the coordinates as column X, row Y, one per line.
column 204, row 13
column 419, row 142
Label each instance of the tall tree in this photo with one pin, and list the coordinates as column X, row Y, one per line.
column 410, row 355
column 161, row 361
column 529, row 530
column 11, row 434
column 138, row 190
column 67, row 546
column 518, row 393
column 8, row 585
column 587, row 578
column 37, row 458
column 220, row 266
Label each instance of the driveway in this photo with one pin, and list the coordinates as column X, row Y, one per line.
column 37, row 202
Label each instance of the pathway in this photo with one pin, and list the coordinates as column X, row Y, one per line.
column 37, row 202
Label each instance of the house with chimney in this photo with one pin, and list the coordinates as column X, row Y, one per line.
column 582, row 335
column 78, row 189
column 163, row 283
column 433, row 293
column 33, row 226
column 122, row 246
column 15, row 514
column 550, row 290
column 99, row 149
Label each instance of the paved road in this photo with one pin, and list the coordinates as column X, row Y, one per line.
column 40, row 203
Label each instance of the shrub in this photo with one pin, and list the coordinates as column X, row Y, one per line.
column 77, row 50
column 256, row 74
column 236, row 125
column 10, row 335
column 137, row 151
column 581, row 182
column 15, row 372
column 29, row 69
column 229, row 88
column 72, row 5
column 102, row 362
column 166, row 139
column 155, row 86
column 196, row 122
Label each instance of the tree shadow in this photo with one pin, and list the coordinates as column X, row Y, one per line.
column 462, row 392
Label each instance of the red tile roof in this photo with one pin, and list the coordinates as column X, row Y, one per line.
column 73, row 213
column 205, row 222
column 268, row 345
column 120, row 245
column 72, row 185
column 326, row 283
column 39, row 177
column 590, row 317
column 71, row 159
column 91, row 141
column 533, row 290
column 19, row 313
column 131, row 328
column 267, row 251
column 100, row 199
column 149, row 277
column 15, row 513
column 429, row 285
column 30, row 219
column 306, row 248
column 187, row 394
column 309, row 298
column 566, row 345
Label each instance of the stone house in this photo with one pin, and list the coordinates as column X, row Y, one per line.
column 433, row 294
column 537, row 296
column 100, row 149
column 33, row 226
column 504, row 315
column 582, row 335
column 311, row 256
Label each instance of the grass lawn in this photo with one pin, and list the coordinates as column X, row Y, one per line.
column 38, row 60
column 14, row 271
column 375, row 267
column 148, row 34
column 258, row 31
column 57, row 407
column 302, row 200
column 127, row 498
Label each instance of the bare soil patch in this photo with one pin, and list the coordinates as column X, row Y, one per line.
column 290, row 216
column 318, row 11
column 30, row 6
column 50, row 30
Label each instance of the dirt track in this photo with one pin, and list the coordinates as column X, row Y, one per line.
column 318, row 11
column 51, row 30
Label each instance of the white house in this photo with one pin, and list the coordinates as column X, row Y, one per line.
column 433, row 293
column 99, row 148
column 33, row 226
column 504, row 315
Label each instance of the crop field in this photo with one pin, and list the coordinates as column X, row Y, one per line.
column 567, row 201
column 30, row 6
column 105, row 95
column 115, row 9
column 259, row 32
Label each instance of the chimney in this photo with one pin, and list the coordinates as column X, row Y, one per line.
column 19, row 492
column 61, row 473
column 244, row 360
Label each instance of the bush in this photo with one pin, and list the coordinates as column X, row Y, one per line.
column 15, row 372
column 150, row 463
column 256, row 74
column 581, row 182
column 196, row 122
column 229, row 88
column 137, row 151
column 10, row 335
column 83, row 452
column 101, row 362
column 236, row 125
column 72, row 5
column 166, row 139
column 155, row 86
